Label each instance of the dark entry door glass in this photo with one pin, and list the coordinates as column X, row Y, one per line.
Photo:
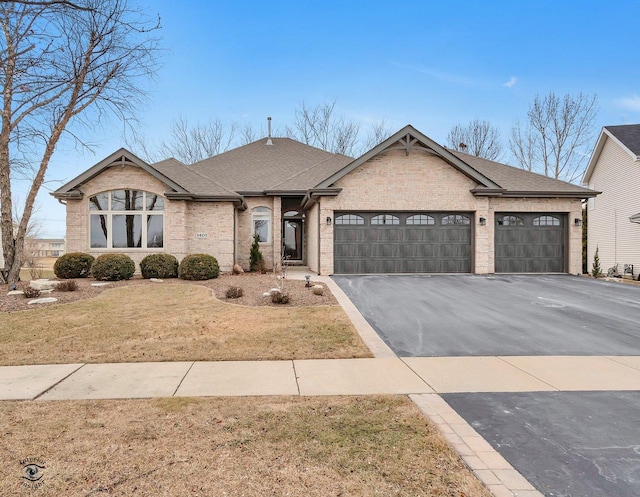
column 292, row 239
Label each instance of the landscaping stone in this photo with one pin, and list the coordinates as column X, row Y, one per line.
column 45, row 300
column 100, row 284
column 43, row 284
column 156, row 280
column 237, row 269
column 317, row 289
column 15, row 292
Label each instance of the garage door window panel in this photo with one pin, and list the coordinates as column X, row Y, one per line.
column 455, row 219
column 546, row 221
column 421, row 220
column 350, row 219
column 510, row 221
column 385, row 219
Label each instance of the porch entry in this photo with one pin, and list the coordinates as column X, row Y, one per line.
column 292, row 239
column 293, row 229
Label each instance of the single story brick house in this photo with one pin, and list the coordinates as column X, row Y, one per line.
column 408, row 205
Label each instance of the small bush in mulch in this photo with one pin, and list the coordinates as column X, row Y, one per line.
column 73, row 265
column 113, row 267
column 67, row 286
column 234, row 292
column 31, row 293
column 198, row 267
column 280, row 297
column 159, row 266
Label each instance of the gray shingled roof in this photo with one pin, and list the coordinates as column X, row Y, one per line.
column 516, row 180
column 190, row 179
column 258, row 167
column 628, row 135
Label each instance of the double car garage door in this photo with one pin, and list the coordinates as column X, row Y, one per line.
column 441, row 242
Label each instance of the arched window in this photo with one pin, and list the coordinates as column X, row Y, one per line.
column 455, row 219
column 349, row 219
column 385, row 219
column 261, row 217
column 546, row 221
column 510, row 221
column 126, row 219
column 422, row 219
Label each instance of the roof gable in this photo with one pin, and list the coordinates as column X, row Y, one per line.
column 407, row 139
column 121, row 157
column 181, row 180
column 625, row 136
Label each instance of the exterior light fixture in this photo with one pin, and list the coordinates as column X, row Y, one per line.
column 482, row 221
column 308, row 280
column 577, row 221
column 328, row 220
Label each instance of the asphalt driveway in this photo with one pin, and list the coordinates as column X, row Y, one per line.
column 567, row 444
column 470, row 315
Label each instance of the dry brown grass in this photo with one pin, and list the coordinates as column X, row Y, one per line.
column 173, row 322
column 312, row 447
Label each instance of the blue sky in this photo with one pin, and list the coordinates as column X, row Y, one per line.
column 426, row 63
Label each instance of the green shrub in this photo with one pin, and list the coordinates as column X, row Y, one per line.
column 256, row 260
column 234, row 292
column 198, row 267
column 113, row 267
column 596, row 271
column 73, row 265
column 159, row 266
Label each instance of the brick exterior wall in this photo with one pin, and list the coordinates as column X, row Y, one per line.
column 245, row 231
column 182, row 220
column 423, row 182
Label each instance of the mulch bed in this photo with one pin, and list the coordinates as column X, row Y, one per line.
column 253, row 285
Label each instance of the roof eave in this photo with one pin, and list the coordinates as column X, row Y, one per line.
column 69, row 195
column 547, row 194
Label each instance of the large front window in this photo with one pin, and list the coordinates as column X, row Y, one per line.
column 122, row 219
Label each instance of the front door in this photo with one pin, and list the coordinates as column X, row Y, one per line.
column 292, row 239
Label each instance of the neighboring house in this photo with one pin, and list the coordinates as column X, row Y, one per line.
column 44, row 247
column 408, row 205
column 614, row 217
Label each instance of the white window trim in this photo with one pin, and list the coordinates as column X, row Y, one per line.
column 262, row 213
column 109, row 215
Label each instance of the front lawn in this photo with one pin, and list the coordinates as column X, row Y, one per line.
column 173, row 322
column 312, row 447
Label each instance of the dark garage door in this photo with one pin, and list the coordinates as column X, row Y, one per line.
column 530, row 242
column 402, row 242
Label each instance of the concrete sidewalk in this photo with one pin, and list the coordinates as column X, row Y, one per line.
column 411, row 375
column 421, row 378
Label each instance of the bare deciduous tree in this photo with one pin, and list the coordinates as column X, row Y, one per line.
column 553, row 139
column 320, row 127
column 477, row 138
column 62, row 65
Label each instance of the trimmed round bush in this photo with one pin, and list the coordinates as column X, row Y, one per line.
column 113, row 267
column 73, row 265
column 159, row 266
column 198, row 267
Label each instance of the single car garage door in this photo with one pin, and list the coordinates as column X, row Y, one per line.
column 402, row 242
column 530, row 243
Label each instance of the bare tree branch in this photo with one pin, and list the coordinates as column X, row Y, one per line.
column 58, row 61
column 477, row 138
column 553, row 142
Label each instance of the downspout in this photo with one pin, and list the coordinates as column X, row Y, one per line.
column 319, row 239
